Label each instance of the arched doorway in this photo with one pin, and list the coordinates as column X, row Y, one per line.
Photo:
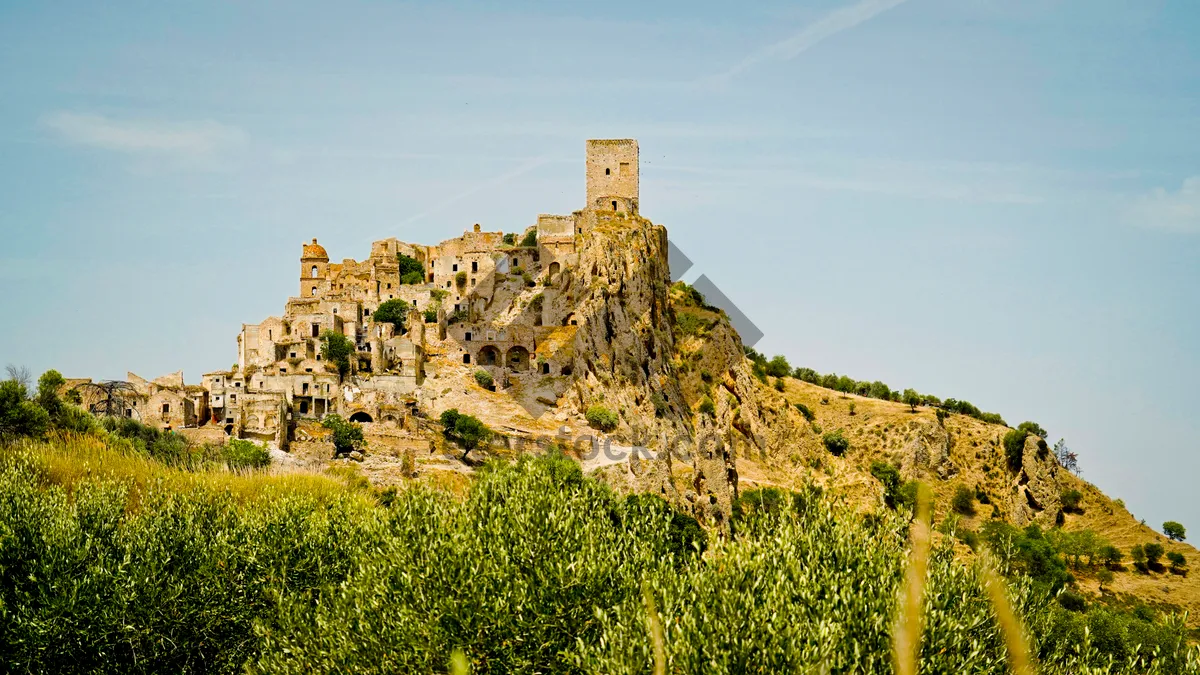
column 361, row 417
column 554, row 268
column 518, row 358
column 488, row 356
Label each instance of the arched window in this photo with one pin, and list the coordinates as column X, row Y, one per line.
column 314, row 290
column 314, row 272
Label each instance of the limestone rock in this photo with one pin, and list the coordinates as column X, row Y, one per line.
column 927, row 453
column 1036, row 492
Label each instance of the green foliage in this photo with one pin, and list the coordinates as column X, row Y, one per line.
column 912, row 398
column 836, row 443
column 347, row 436
column 530, row 239
column 1071, row 499
column 509, row 238
column 410, row 268
column 168, row 447
column 538, row 569
column 18, row 415
column 660, row 404
column 1027, row 552
column 694, row 298
column 431, row 315
column 1032, row 428
column 484, row 379
column 1174, row 531
column 1138, row 555
column 778, row 367
column 1110, row 555
column 47, row 392
column 1177, row 560
column 1014, row 448
column 895, row 493
column 963, row 501
column 337, row 349
column 1072, row 601
column 804, row 410
column 1154, row 553
column 240, row 454
column 393, row 312
column 779, row 386
column 460, row 279
column 707, row 407
column 466, row 430
column 599, row 417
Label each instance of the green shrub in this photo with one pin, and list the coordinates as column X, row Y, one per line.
column 1014, row 448
column 393, row 312
column 1138, row 555
column 836, row 443
column 660, row 404
column 963, row 501
column 804, row 410
column 20, row 416
column 347, row 436
column 431, row 316
column 1174, row 531
column 530, row 239
column 1032, row 428
column 599, row 417
column 410, row 268
column 1071, row 500
column 1110, row 555
column 778, row 367
column 1154, row 553
column 1072, row 601
column 460, row 280
column 240, row 454
column 484, row 379
column 707, row 407
column 337, row 349
column 779, row 386
column 509, row 238
column 1177, row 560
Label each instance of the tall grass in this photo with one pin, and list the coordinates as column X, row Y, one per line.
column 112, row 562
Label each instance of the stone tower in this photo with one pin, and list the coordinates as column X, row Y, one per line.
column 314, row 262
column 612, row 175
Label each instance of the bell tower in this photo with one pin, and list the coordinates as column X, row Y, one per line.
column 314, row 263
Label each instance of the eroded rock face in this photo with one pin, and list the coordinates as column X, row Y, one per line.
column 927, row 453
column 1035, row 495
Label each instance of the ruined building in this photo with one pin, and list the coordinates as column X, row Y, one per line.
column 484, row 301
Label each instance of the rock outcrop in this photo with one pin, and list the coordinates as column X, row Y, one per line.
column 1036, row 492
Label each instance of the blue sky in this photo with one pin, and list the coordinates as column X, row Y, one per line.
column 995, row 200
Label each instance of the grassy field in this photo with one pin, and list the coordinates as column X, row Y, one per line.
column 114, row 562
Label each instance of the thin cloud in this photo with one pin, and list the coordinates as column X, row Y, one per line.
column 524, row 168
column 813, row 34
column 1162, row 209
column 184, row 140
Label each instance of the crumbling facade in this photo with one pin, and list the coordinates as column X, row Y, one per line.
column 484, row 300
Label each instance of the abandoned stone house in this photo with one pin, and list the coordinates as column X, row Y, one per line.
column 482, row 301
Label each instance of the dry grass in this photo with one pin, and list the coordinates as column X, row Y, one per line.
column 906, row 640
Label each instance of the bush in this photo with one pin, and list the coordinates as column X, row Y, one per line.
column 530, row 239
column 18, row 415
column 431, row 315
column 1178, row 562
column 509, row 238
column 1138, row 555
column 707, row 407
column 1070, row 501
column 239, row 454
column 347, row 436
column 778, row 367
column 393, row 312
column 963, row 501
column 1105, row 577
column 1154, row 553
column 410, row 268
column 337, row 349
column 1072, row 601
column 599, row 417
column 1014, row 449
column 779, row 386
column 1174, row 531
column 660, row 404
column 484, row 379
column 889, row 476
column 1032, row 428
column 1110, row 555
column 460, row 279
column 836, row 443
column 806, row 412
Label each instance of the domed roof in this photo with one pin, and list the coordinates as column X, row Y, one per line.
column 314, row 250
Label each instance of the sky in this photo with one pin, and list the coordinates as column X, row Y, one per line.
column 991, row 200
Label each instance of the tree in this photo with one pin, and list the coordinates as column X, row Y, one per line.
column 18, row 415
column 880, row 391
column 1105, row 577
column 1154, row 553
column 347, row 436
column 1110, row 555
column 963, row 501
column 530, row 239
column 509, row 238
column 411, row 270
column 394, row 312
column 1067, row 459
column 1174, row 531
column 1032, row 428
column 1177, row 560
column 1014, row 448
column 778, row 367
column 912, row 398
column 467, row 430
column 337, row 349
column 1138, row 555
column 47, row 395
column 806, row 375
